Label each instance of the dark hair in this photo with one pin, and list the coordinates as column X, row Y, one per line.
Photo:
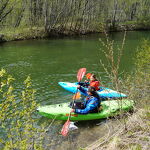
column 92, row 90
column 94, row 76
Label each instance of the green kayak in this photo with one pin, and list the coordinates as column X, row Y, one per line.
column 62, row 111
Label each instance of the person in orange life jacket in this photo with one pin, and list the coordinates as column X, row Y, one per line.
column 93, row 82
column 91, row 103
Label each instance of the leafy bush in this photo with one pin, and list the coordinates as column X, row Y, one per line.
column 16, row 116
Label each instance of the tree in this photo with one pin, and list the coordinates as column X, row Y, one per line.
column 5, row 9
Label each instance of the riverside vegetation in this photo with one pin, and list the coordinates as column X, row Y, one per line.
column 133, row 132
column 17, row 122
column 21, row 19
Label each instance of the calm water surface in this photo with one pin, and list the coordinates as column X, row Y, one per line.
column 53, row 60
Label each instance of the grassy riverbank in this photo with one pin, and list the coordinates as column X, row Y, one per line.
column 133, row 134
column 25, row 33
column 12, row 34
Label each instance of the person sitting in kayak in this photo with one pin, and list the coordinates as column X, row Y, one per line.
column 91, row 103
column 93, row 81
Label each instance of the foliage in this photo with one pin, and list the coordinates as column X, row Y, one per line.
column 133, row 134
column 137, row 84
column 143, row 56
column 23, row 33
column 17, row 116
column 143, row 22
column 74, row 16
column 113, row 59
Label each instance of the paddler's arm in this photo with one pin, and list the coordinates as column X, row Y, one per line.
column 83, row 90
column 84, row 84
column 91, row 106
column 81, row 111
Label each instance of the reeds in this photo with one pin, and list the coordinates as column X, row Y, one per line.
column 132, row 132
column 113, row 59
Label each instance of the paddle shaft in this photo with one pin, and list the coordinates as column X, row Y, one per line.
column 65, row 128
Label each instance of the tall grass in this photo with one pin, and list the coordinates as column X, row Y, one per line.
column 133, row 133
column 113, row 59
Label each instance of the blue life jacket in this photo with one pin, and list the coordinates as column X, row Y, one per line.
column 90, row 103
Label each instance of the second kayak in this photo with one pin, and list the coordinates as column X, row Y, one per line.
column 104, row 92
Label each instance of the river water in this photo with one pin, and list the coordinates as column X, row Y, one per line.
column 52, row 60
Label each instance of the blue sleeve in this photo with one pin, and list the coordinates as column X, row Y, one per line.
column 83, row 111
column 81, row 83
column 85, row 84
column 90, row 106
column 83, row 90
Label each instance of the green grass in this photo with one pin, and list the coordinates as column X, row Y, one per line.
column 23, row 33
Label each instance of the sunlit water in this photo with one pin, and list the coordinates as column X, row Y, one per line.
column 52, row 60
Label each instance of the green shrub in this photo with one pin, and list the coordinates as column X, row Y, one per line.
column 16, row 119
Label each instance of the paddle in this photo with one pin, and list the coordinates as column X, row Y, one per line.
column 76, row 96
column 80, row 75
column 65, row 128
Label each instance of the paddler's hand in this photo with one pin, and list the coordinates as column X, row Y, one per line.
column 72, row 110
column 78, row 86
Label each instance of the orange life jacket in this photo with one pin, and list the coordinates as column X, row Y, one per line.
column 95, row 84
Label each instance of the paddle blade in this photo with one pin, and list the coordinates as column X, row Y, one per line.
column 76, row 96
column 81, row 74
column 65, row 128
column 88, row 75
